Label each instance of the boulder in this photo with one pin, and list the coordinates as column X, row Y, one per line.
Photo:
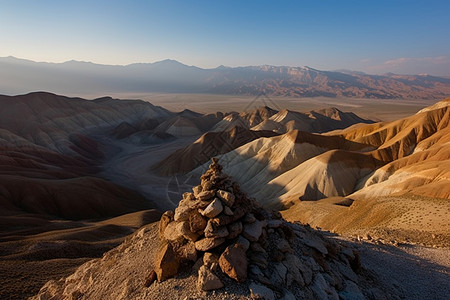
column 253, row 231
column 234, row 230
column 171, row 233
column 261, row 292
column 322, row 290
column 233, row 262
column 215, row 232
column 208, row 243
column 197, row 222
column 166, row 262
column 182, row 213
column 207, row 280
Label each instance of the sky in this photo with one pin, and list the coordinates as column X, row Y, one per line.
column 376, row 37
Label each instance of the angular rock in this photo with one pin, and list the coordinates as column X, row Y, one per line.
column 207, row 280
column 211, row 232
column 322, row 290
column 150, row 278
column 197, row 222
column 208, row 243
column 351, row 292
column 184, row 229
column 197, row 190
column 292, row 262
column 259, row 259
column 347, row 272
column 253, row 231
column 166, row 218
column 256, row 247
column 213, row 209
column 166, row 262
column 281, row 269
column 182, row 213
column 287, row 295
column 274, row 223
column 187, row 252
column 294, row 274
column 227, row 211
column 227, row 197
column 171, row 233
column 261, row 292
column 316, row 243
column 234, row 230
column 278, row 274
column 238, row 213
column 205, row 195
column 233, row 262
column 211, row 260
column 243, row 242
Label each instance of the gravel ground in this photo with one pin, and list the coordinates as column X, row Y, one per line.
column 417, row 272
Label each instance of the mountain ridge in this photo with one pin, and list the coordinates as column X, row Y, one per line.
column 170, row 76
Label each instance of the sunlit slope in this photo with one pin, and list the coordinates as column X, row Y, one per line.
column 410, row 155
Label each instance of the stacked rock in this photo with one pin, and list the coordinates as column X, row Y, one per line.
column 224, row 231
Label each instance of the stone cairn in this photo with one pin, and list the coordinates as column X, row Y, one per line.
column 221, row 230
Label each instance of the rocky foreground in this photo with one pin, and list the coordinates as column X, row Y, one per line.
column 221, row 244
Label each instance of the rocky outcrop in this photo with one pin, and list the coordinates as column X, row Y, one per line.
column 231, row 235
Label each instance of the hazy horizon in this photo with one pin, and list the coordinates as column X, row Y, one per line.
column 402, row 37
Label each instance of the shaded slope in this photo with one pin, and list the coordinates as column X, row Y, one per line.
column 208, row 145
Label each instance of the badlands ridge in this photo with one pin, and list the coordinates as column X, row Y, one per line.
column 78, row 176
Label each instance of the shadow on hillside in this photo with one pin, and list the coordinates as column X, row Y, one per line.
column 415, row 276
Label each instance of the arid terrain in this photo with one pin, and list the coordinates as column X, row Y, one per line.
column 79, row 176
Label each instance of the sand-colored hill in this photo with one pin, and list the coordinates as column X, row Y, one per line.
column 369, row 170
column 314, row 121
column 265, row 118
column 244, row 119
column 412, row 152
column 273, row 163
column 208, row 145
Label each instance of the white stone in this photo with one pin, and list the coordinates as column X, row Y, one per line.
column 213, row 209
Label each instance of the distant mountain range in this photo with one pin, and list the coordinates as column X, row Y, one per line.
column 169, row 76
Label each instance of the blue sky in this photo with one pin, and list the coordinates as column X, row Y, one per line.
column 397, row 36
